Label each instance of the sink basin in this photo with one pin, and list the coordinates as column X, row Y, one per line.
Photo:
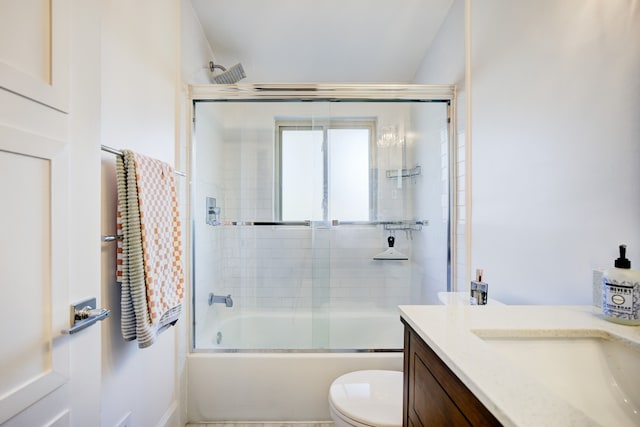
column 595, row 371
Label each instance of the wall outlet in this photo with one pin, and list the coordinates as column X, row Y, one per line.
column 125, row 421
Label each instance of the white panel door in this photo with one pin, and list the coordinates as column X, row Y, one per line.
column 47, row 378
column 34, row 303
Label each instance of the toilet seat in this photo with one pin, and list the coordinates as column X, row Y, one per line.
column 371, row 398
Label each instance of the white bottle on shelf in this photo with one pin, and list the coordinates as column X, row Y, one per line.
column 621, row 292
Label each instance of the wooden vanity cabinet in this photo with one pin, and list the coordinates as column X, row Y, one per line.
column 433, row 395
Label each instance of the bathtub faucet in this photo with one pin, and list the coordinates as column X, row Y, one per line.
column 214, row 299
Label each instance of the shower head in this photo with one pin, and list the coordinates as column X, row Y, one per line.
column 227, row 77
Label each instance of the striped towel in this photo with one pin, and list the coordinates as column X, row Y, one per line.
column 149, row 260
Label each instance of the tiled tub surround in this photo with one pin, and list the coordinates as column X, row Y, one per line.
column 274, row 267
column 458, row 334
column 300, row 271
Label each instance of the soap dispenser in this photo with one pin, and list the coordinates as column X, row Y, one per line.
column 621, row 292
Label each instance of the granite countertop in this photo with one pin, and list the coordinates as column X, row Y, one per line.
column 515, row 397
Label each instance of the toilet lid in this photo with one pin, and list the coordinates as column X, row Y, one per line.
column 369, row 397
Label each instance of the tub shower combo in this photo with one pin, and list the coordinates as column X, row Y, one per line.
column 315, row 211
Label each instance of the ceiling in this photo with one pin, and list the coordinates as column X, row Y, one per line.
column 322, row 40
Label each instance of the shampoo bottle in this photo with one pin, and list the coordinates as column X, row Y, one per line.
column 621, row 292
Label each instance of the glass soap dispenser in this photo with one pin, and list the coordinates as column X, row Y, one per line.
column 621, row 292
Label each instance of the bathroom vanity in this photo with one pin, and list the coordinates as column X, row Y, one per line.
column 518, row 366
column 433, row 395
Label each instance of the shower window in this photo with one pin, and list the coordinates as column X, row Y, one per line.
column 325, row 170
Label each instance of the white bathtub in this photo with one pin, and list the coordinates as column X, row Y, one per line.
column 302, row 330
column 282, row 386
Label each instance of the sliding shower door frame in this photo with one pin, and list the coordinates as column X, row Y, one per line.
column 323, row 92
column 317, row 92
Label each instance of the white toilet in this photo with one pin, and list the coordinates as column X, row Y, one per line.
column 374, row 398
column 366, row 399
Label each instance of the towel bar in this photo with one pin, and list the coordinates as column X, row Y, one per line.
column 119, row 153
column 105, row 148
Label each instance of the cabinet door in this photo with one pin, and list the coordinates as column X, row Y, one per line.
column 435, row 396
column 429, row 403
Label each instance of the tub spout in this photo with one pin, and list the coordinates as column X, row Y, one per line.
column 215, row 299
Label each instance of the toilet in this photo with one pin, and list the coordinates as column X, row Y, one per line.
column 371, row 398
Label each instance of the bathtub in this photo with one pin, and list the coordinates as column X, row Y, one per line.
column 226, row 383
column 276, row 330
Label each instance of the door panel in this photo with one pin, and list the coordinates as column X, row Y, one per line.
column 48, row 378
column 34, row 50
column 34, row 357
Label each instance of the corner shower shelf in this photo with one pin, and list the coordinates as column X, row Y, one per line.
column 404, row 173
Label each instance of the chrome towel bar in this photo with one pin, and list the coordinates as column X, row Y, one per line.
column 108, row 149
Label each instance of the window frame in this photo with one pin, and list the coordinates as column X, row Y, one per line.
column 326, row 124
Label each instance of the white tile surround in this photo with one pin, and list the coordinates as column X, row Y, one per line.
column 274, row 267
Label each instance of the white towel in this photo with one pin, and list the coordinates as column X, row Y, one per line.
column 150, row 252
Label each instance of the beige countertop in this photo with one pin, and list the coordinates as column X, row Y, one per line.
column 461, row 336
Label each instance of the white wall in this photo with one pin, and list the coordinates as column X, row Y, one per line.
column 140, row 71
column 555, row 142
column 195, row 51
column 84, row 223
column 444, row 63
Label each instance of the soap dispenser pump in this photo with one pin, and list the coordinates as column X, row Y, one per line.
column 621, row 291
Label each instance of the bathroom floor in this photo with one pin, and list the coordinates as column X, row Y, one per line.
column 263, row 424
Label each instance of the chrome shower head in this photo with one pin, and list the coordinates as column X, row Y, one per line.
column 227, row 77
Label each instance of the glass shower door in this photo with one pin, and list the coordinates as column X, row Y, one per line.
column 304, row 195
